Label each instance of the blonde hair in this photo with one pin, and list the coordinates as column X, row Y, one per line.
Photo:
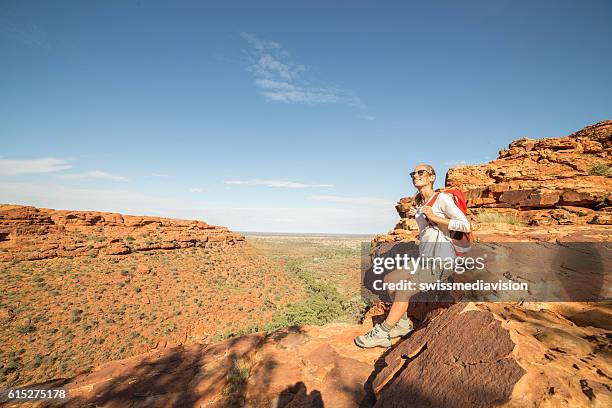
column 418, row 199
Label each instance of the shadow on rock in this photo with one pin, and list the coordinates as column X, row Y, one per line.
column 298, row 396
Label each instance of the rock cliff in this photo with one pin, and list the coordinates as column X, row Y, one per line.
column 565, row 180
column 550, row 182
column 29, row 233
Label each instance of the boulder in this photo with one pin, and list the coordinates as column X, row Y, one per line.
column 462, row 358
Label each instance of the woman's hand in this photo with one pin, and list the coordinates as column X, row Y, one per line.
column 412, row 212
column 428, row 212
column 433, row 218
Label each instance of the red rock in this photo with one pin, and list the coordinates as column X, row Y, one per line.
column 143, row 269
column 118, row 249
column 461, row 360
column 29, row 233
column 539, row 174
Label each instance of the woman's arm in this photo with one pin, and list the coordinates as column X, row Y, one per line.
column 433, row 218
column 456, row 221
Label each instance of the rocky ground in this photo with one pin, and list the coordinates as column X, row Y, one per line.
column 477, row 355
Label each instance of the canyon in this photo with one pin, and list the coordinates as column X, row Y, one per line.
column 477, row 354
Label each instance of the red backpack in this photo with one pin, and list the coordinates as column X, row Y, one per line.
column 461, row 240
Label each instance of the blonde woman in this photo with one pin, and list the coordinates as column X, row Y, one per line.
column 436, row 220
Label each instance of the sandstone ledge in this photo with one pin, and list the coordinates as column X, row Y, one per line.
column 30, row 233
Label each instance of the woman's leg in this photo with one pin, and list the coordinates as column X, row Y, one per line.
column 381, row 334
column 396, row 313
column 400, row 297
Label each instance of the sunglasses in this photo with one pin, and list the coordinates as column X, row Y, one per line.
column 420, row 173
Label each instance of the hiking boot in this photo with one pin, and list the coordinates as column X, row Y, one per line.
column 402, row 328
column 376, row 337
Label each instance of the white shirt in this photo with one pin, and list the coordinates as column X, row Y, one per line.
column 431, row 234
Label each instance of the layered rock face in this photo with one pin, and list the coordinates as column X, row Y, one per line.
column 549, row 181
column 29, row 233
column 502, row 354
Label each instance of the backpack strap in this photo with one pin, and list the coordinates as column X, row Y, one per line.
column 433, row 199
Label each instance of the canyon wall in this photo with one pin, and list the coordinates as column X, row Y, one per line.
column 29, row 233
column 545, row 182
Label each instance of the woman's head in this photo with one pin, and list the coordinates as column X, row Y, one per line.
column 423, row 175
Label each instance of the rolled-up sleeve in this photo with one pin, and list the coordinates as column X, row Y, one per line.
column 458, row 220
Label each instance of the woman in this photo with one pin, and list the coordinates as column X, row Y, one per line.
column 435, row 221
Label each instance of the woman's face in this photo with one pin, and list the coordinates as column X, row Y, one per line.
column 422, row 177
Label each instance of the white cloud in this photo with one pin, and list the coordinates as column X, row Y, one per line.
column 277, row 219
column 269, row 66
column 352, row 200
column 455, row 163
column 92, row 174
column 276, row 183
column 369, row 117
column 32, row 166
column 274, row 85
column 162, row 175
column 196, row 190
column 279, row 78
column 61, row 197
column 302, row 219
column 260, row 44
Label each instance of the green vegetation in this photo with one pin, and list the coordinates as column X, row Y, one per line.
column 323, row 303
column 12, row 365
column 600, row 170
column 320, row 284
column 28, row 328
column 498, row 218
column 237, row 376
column 38, row 359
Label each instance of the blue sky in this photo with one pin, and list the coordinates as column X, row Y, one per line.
column 282, row 116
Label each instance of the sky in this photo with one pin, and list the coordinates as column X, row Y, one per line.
column 282, row 116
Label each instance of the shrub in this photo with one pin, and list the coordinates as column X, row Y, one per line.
column 237, row 376
column 28, row 328
column 323, row 305
column 498, row 218
column 37, row 361
column 600, row 170
column 11, row 366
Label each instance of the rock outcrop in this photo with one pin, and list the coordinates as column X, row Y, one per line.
column 453, row 361
column 550, row 182
column 29, row 233
column 501, row 354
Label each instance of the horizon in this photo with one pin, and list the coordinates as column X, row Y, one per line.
column 248, row 118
